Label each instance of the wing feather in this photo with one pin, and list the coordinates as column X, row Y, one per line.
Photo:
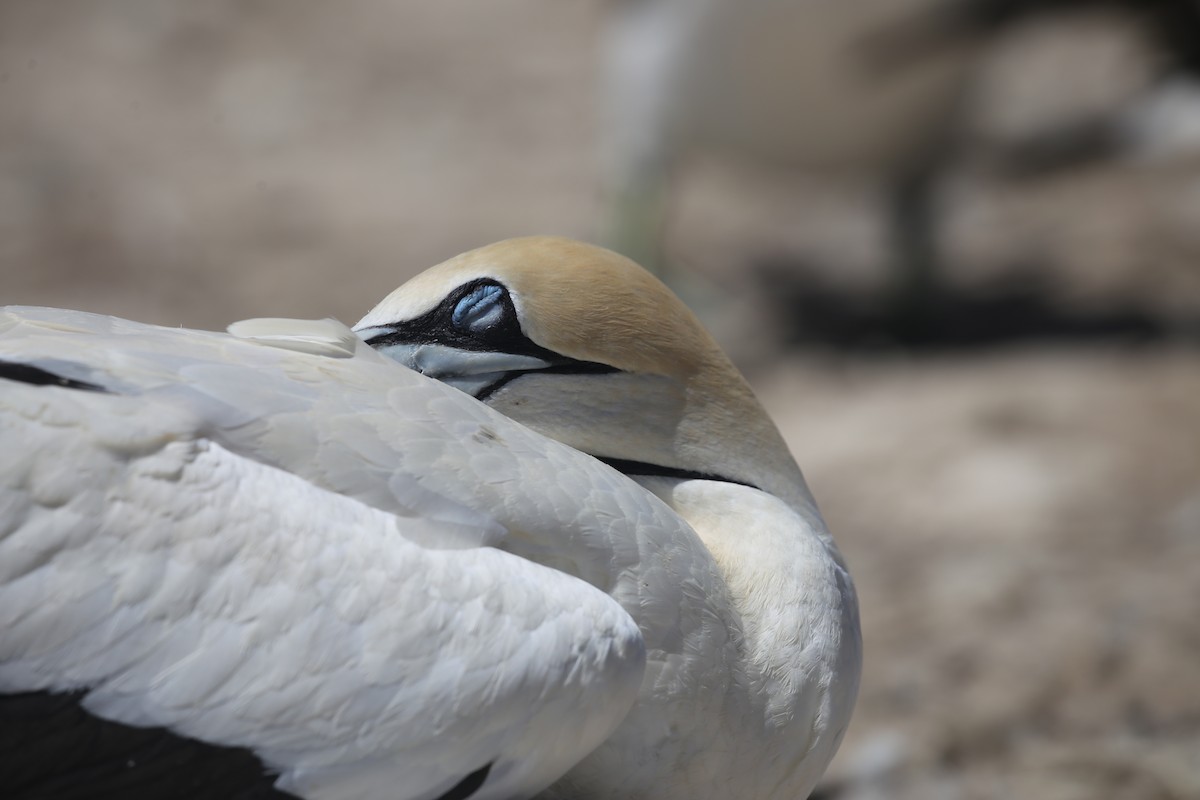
column 157, row 553
column 242, row 443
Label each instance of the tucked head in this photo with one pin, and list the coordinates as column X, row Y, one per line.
column 588, row 348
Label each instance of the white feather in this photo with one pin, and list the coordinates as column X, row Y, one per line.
column 318, row 337
column 236, row 543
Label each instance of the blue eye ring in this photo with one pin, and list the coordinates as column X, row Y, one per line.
column 479, row 309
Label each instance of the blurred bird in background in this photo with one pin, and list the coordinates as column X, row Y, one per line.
column 790, row 83
column 880, row 90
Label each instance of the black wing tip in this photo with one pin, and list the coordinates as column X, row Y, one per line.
column 52, row 747
column 468, row 785
column 36, row 376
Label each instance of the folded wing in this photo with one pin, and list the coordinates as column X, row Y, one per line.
column 298, row 553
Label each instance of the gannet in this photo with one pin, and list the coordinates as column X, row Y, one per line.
column 787, row 84
column 561, row 550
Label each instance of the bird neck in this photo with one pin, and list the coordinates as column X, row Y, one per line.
column 647, row 424
column 796, row 604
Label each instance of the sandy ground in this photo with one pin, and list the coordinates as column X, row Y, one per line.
column 1023, row 521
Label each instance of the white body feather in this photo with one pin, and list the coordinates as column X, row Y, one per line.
column 242, row 549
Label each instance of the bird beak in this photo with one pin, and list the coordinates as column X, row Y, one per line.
column 470, row 371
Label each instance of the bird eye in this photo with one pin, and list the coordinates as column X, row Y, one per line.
column 479, row 309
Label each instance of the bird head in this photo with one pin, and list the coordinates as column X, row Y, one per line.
column 586, row 347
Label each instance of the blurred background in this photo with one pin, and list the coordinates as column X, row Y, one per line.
column 955, row 244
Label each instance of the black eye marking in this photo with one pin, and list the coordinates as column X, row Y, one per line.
column 478, row 316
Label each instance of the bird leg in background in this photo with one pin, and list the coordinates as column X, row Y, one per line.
column 913, row 299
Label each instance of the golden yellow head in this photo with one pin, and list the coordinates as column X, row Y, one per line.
column 575, row 299
column 585, row 346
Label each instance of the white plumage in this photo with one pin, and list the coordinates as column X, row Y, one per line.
column 279, row 540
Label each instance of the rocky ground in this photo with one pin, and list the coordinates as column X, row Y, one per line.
column 1022, row 515
column 1023, row 530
